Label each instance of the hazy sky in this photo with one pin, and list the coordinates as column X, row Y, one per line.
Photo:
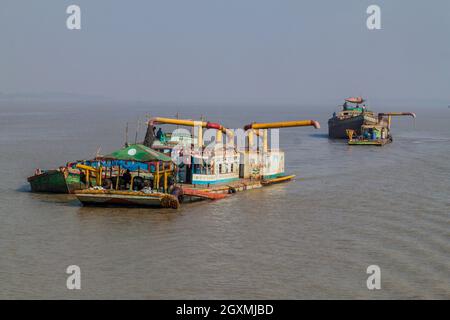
column 227, row 51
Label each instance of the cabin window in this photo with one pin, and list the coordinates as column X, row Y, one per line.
column 232, row 168
column 220, row 168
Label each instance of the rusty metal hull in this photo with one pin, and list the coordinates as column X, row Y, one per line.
column 337, row 127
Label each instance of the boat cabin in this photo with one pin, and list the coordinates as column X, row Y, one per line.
column 134, row 167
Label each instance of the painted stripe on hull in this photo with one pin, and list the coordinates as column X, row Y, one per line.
column 273, row 176
column 214, row 181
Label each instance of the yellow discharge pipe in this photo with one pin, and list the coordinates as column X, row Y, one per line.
column 193, row 123
column 254, row 127
column 178, row 122
column 412, row 114
column 183, row 122
column 283, row 124
column 189, row 123
column 395, row 114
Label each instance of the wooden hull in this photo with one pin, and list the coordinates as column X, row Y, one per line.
column 55, row 181
column 377, row 142
column 107, row 198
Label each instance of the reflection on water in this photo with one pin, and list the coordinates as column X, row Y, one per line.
column 314, row 237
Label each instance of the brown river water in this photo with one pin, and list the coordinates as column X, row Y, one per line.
column 314, row 237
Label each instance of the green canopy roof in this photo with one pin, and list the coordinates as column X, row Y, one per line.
column 138, row 152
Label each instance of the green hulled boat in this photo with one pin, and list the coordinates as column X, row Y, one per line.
column 56, row 181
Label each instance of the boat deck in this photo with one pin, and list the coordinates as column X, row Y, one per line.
column 102, row 197
column 239, row 184
column 378, row 142
column 236, row 186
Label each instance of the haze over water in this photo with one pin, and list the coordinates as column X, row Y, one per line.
column 66, row 93
column 348, row 208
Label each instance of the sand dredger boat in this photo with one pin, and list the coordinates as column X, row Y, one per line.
column 226, row 161
column 195, row 172
column 377, row 134
column 353, row 116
